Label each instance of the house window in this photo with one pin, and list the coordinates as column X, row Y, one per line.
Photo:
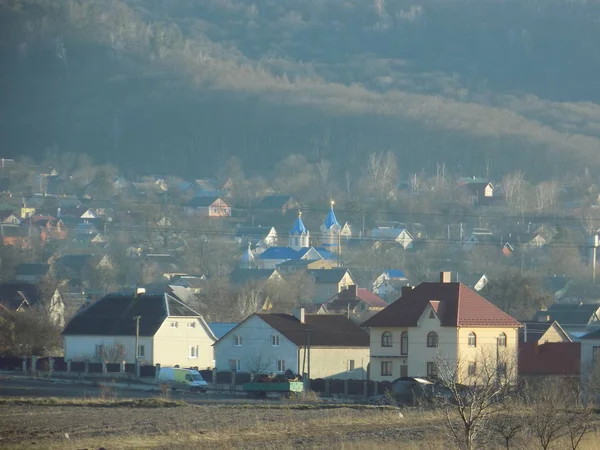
column 596, row 353
column 386, row 368
column 404, row 343
column 234, row 365
column 237, row 341
column 275, row 341
column 191, row 324
column 432, row 339
column 472, row 341
column 351, row 364
column 403, row 370
column 280, row 365
column 502, row 340
column 472, row 369
column 99, row 351
column 141, row 351
column 386, row 339
column 174, row 324
column 432, row 370
column 193, row 351
column 431, row 314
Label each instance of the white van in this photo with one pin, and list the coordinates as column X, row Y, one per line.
column 177, row 378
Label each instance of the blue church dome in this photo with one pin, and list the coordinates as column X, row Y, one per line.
column 298, row 227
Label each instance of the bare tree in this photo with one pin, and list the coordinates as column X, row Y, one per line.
column 61, row 54
column 545, row 195
column 590, row 220
column 475, row 392
column 382, row 169
column 258, row 364
column 514, row 185
column 546, row 421
column 28, row 333
column 115, row 353
column 507, row 423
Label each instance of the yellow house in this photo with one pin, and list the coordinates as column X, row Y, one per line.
column 435, row 322
column 167, row 331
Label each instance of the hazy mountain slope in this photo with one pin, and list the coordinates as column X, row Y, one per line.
column 142, row 82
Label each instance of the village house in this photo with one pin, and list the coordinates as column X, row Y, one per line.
column 442, row 319
column 352, row 300
column 397, row 235
column 19, row 296
column 256, row 235
column 31, row 272
column 328, row 282
column 208, row 207
column 170, row 332
column 576, row 319
column 329, row 346
column 295, row 266
column 277, row 203
column 389, row 283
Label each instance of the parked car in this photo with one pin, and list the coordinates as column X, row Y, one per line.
column 186, row 379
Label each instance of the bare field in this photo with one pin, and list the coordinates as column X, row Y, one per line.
column 215, row 427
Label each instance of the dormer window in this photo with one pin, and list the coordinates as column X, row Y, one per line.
column 431, row 314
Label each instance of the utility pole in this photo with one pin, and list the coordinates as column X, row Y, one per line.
column 308, row 362
column 137, row 337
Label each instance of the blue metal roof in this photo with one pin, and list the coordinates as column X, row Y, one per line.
column 331, row 219
column 395, row 273
column 298, row 227
column 220, row 329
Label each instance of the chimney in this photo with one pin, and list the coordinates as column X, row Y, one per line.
column 351, row 291
column 406, row 290
column 299, row 314
column 445, row 277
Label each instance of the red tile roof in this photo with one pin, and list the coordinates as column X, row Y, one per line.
column 550, row 358
column 458, row 306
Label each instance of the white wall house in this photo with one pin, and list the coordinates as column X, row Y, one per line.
column 170, row 333
column 274, row 343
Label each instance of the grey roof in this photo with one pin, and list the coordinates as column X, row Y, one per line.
column 257, row 232
column 32, row 269
column 328, row 276
column 570, row 314
column 114, row 315
column 13, row 294
column 274, row 201
column 243, row 276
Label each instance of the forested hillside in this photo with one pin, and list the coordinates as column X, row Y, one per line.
column 181, row 85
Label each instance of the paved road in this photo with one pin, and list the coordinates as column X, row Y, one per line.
column 16, row 386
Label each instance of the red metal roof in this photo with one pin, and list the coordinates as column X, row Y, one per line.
column 458, row 306
column 370, row 298
column 550, row 358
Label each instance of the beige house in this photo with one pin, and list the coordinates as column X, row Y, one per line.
column 328, row 282
column 208, row 207
column 169, row 332
column 435, row 322
column 322, row 346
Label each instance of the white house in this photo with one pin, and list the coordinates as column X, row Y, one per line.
column 169, row 331
column 327, row 346
column 392, row 234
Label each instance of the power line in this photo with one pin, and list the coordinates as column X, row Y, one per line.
column 520, row 218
